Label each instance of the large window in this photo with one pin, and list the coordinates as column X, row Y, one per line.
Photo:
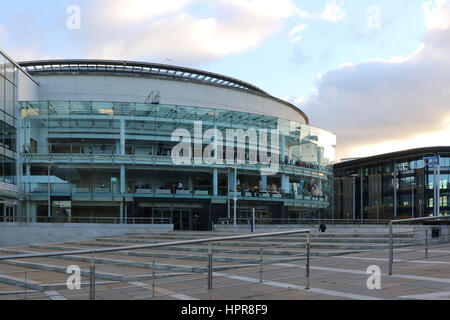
column 67, row 126
column 8, row 87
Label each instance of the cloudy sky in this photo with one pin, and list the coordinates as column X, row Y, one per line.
column 376, row 73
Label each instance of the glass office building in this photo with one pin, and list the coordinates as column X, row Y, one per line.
column 9, row 192
column 95, row 148
column 394, row 185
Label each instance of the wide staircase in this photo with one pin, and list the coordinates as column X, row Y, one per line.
column 49, row 273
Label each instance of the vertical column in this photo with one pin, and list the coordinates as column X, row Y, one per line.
column 28, row 175
column 282, row 148
column 332, row 197
column 122, row 136
column 362, row 194
column 395, row 190
column 438, row 187
column 28, row 210
column 122, row 180
column 287, row 184
column 191, row 184
column 263, row 182
column 215, row 182
column 122, row 191
column 33, row 211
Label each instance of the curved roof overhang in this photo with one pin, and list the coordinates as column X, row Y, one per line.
column 90, row 66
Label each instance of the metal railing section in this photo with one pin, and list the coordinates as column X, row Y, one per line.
column 94, row 263
column 423, row 242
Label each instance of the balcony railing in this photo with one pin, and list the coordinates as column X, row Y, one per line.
column 143, row 191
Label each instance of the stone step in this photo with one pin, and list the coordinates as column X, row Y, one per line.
column 187, row 270
column 216, row 258
column 259, row 240
column 319, row 245
column 202, row 249
column 191, row 236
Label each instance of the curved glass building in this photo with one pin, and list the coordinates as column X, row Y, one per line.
column 120, row 141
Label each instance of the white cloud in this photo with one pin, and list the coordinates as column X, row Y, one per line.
column 379, row 106
column 120, row 12
column 333, row 12
column 437, row 16
column 230, row 26
column 297, row 29
column 296, row 39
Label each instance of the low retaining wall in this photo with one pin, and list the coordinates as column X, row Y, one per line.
column 22, row 234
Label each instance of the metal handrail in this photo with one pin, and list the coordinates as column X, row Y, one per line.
column 92, row 252
column 391, row 236
column 268, row 221
column 149, row 246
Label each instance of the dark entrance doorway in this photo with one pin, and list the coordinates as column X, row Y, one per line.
column 182, row 219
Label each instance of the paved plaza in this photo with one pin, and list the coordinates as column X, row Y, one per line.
column 180, row 272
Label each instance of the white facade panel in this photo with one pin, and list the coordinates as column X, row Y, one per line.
column 172, row 92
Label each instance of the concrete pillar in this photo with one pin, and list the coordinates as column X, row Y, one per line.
column 33, row 211
column 287, row 184
column 28, row 175
column 215, row 182
column 191, row 184
column 362, row 194
column 231, row 180
column 122, row 136
column 263, row 185
column 284, row 183
column 121, row 212
column 28, row 211
column 117, row 151
column 122, row 179
column 282, row 148
column 395, row 190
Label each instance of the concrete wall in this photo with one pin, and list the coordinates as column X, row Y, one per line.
column 21, row 234
column 173, row 92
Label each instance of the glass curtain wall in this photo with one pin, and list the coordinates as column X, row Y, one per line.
column 8, row 88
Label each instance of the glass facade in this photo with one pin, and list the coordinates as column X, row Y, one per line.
column 8, row 136
column 117, row 157
column 393, row 188
column 8, row 105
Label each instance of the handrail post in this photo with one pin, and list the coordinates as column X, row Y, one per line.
column 308, row 261
column 92, row 278
column 426, row 244
column 153, row 279
column 261, row 265
column 391, row 248
column 210, row 267
column 25, row 291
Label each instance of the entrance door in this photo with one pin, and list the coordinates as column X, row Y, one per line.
column 182, row 220
column 9, row 213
